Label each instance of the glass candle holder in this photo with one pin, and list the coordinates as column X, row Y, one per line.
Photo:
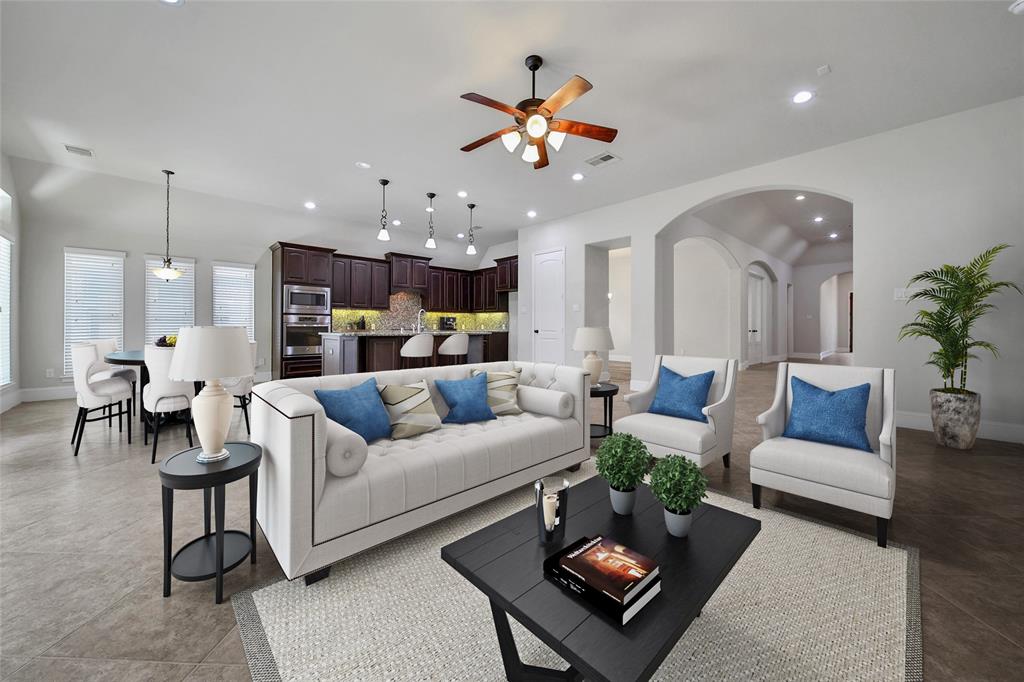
column 552, row 500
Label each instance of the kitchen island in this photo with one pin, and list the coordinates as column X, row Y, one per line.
column 378, row 350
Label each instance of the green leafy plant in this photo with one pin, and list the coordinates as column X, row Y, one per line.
column 678, row 483
column 623, row 461
column 959, row 293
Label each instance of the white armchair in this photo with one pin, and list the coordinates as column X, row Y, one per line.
column 701, row 442
column 849, row 478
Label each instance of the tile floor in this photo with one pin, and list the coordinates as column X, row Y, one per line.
column 81, row 552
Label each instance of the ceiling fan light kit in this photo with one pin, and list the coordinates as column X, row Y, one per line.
column 535, row 117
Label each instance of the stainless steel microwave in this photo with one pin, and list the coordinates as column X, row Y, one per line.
column 306, row 300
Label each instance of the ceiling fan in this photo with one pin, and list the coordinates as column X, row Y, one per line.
column 534, row 117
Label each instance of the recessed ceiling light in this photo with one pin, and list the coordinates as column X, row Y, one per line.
column 310, row 205
column 577, row 176
column 833, row 235
column 803, row 97
column 396, row 222
column 818, row 219
column 461, row 235
column 799, row 197
column 362, row 164
column 531, row 214
column 462, row 194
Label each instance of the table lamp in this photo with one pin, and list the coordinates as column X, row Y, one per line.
column 210, row 354
column 593, row 339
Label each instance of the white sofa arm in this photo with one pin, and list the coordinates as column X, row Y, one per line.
column 887, row 438
column 546, row 401
column 346, row 450
column 773, row 421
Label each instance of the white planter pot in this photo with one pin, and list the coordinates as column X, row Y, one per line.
column 678, row 524
column 622, row 501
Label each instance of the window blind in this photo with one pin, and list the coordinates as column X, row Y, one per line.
column 93, row 298
column 169, row 305
column 6, row 255
column 234, row 297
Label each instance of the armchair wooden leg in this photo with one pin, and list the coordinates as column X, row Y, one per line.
column 755, row 493
column 881, row 530
column 725, row 460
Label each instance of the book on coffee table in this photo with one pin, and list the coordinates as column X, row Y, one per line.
column 606, row 574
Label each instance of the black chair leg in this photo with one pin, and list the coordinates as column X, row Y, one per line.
column 120, row 416
column 755, row 493
column 245, row 413
column 131, row 404
column 110, row 416
column 156, row 434
column 881, row 530
column 78, row 420
column 188, row 428
column 725, row 460
column 84, row 414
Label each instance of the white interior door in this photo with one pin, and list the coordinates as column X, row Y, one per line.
column 755, row 319
column 549, row 306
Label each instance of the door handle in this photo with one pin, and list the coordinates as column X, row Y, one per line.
column 752, row 331
column 536, row 331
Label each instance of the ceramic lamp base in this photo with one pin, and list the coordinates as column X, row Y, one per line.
column 211, row 413
column 594, row 364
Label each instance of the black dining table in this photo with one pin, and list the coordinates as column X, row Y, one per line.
column 137, row 358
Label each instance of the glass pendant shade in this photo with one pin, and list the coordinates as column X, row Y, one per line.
column 470, row 250
column 555, row 139
column 430, row 243
column 530, row 154
column 166, row 272
column 383, row 235
column 536, row 125
column 511, row 140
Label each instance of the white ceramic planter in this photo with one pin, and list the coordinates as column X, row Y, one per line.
column 678, row 524
column 622, row 501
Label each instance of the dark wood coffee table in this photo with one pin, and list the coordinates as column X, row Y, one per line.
column 504, row 561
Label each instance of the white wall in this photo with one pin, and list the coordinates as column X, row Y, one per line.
column 828, row 313
column 10, row 395
column 914, row 190
column 844, row 287
column 702, row 294
column 807, row 280
column 620, row 304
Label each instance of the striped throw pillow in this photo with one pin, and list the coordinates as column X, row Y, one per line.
column 501, row 391
column 410, row 409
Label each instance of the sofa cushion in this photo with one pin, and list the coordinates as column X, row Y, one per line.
column 466, row 400
column 854, row 470
column 681, row 396
column 669, row 432
column 501, row 390
column 830, row 417
column 410, row 409
column 358, row 409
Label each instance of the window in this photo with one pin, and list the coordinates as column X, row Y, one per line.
column 169, row 305
column 5, row 311
column 234, row 297
column 93, row 298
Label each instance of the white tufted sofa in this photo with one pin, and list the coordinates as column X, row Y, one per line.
column 325, row 494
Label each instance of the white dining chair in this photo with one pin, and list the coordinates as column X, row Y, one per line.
column 93, row 393
column 241, row 388
column 162, row 396
column 105, row 370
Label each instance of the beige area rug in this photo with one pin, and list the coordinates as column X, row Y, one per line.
column 807, row 601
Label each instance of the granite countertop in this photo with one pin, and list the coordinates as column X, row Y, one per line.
column 409, row 332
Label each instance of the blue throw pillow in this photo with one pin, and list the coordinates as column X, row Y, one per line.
column 831, row 417
column 682, row 396
column 466, row 400
column 358, row 409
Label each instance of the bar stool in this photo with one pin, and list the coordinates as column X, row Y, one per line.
column 455, row 346
column 420, row 346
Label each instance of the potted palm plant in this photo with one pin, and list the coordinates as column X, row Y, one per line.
column 623, row 461
column 960, row 295
column 680, row 485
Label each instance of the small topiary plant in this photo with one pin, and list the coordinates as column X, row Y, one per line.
column 678, row 483
column 623, row 461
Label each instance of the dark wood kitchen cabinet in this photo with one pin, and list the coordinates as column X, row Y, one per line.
column 451, row 291
column 380, row 285
column 340, row 282
column 435, row 290
column 408, row 272
column 360, row 285
column 465, row 292
column 508, row 274
column 305, row 265
column 308, row 366
column 318, row 268
column 294, row 265
column 420, row 273
column 496, row 347
column 477, row 294
column 381, row 353
column 491, row 289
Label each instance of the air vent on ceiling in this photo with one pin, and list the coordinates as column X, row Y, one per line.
column 81, row 151
column 602, row 160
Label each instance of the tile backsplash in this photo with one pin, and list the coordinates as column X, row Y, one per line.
column 402, row 314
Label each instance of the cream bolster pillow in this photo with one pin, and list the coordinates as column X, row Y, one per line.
column 546, row 401
column 346, row 450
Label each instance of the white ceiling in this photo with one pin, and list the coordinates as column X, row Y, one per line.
column 273, row 102
column 755, row 216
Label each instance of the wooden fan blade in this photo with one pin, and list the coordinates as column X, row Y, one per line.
column 542, row 149
column 488, row 138
column 564, row 96
column 590, row 130
column 494, row 104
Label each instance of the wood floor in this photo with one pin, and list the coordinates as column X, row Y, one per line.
column 81, row 553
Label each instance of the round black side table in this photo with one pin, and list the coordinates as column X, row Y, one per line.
column 606, row 391
column 216, row 553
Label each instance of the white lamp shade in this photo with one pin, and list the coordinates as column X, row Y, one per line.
column 207, row 353
column 593, row 338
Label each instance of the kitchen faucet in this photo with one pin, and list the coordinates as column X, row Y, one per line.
column 419, row 323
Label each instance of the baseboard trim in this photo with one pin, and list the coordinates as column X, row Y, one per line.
column 825, row 353
column 805, row 356
column 776, row 358
column 33, row 395
column 1003, row 431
